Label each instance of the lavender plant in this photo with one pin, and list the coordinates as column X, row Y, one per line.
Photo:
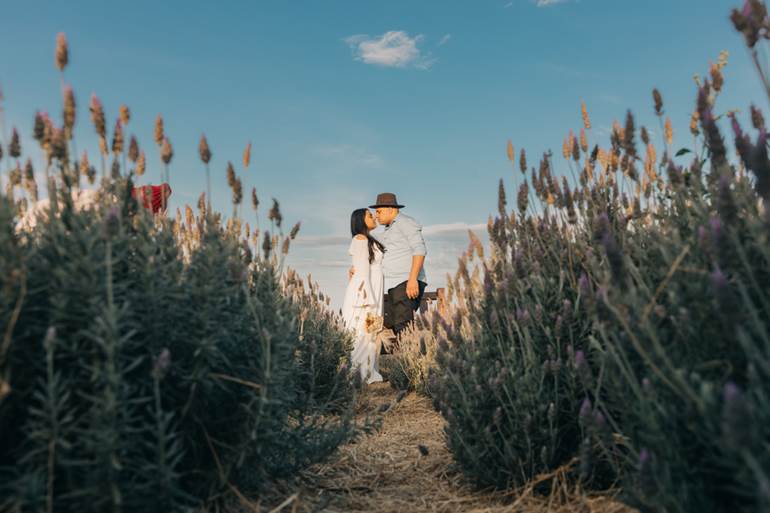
column 146, row 363
column 326, row 379
column 621, row 322
column 504, row 379
column 687, row 344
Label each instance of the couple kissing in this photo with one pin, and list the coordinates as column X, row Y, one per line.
column 389, row 262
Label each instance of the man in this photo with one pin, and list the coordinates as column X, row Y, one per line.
column 402, row 263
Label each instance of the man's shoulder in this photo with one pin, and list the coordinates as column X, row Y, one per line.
column 409, row 221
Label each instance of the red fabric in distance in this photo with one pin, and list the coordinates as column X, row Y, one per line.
column 151, row 197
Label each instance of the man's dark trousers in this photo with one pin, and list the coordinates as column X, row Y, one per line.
column 399, row 308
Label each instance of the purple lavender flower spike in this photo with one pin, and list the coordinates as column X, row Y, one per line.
column 718, row 280
column 584, row 285
column 703, row 107
column 731, row 393
column 585, row 409
column 736, row 126
column 162, row 363
column 703, row 238
column 567, row 308
column 580, row 359
column 746, row 11
column 716, row 227
column 599, row 421
column 737, row 420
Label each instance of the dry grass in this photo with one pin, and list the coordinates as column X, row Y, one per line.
column 387, row 472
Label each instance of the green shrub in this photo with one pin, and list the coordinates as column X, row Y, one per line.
column 324, row 348
column 685, row 348
column 684, row 338
column 622, row 319
column 148, row 364
column 505, row 383
column 142, row 382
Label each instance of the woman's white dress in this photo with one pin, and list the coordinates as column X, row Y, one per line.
column 363, row 298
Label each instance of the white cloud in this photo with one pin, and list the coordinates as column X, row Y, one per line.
column 452, row 227
column 541, row 3
column 444, row 40
column 603, row 130
column 393, row 49
column 321, row 240
column 448, row 229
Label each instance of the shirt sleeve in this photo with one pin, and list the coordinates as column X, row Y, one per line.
column 413, row 232
column 359, row 249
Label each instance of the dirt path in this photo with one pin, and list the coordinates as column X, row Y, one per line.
column 406, row 467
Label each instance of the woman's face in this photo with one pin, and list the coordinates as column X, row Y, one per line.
column 371, row 223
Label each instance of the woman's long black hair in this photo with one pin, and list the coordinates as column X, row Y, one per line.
column 358, row 227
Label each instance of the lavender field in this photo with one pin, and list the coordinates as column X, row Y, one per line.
column 604, row 345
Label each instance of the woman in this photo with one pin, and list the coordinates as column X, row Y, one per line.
column 363, row 297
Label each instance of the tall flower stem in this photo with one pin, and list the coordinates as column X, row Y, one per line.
column 3, row 132
column 72, row 146
column 52, row 398
column 167, row 180
column 160, row 433
column 111, row 371
column 761, row 72
column 76, row 166
column 208, row 187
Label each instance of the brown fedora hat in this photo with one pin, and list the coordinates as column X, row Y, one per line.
column 386, row 199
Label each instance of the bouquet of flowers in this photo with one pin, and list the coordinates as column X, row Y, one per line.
column 373, row 323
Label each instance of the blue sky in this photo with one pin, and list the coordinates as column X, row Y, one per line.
column 336, row 115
